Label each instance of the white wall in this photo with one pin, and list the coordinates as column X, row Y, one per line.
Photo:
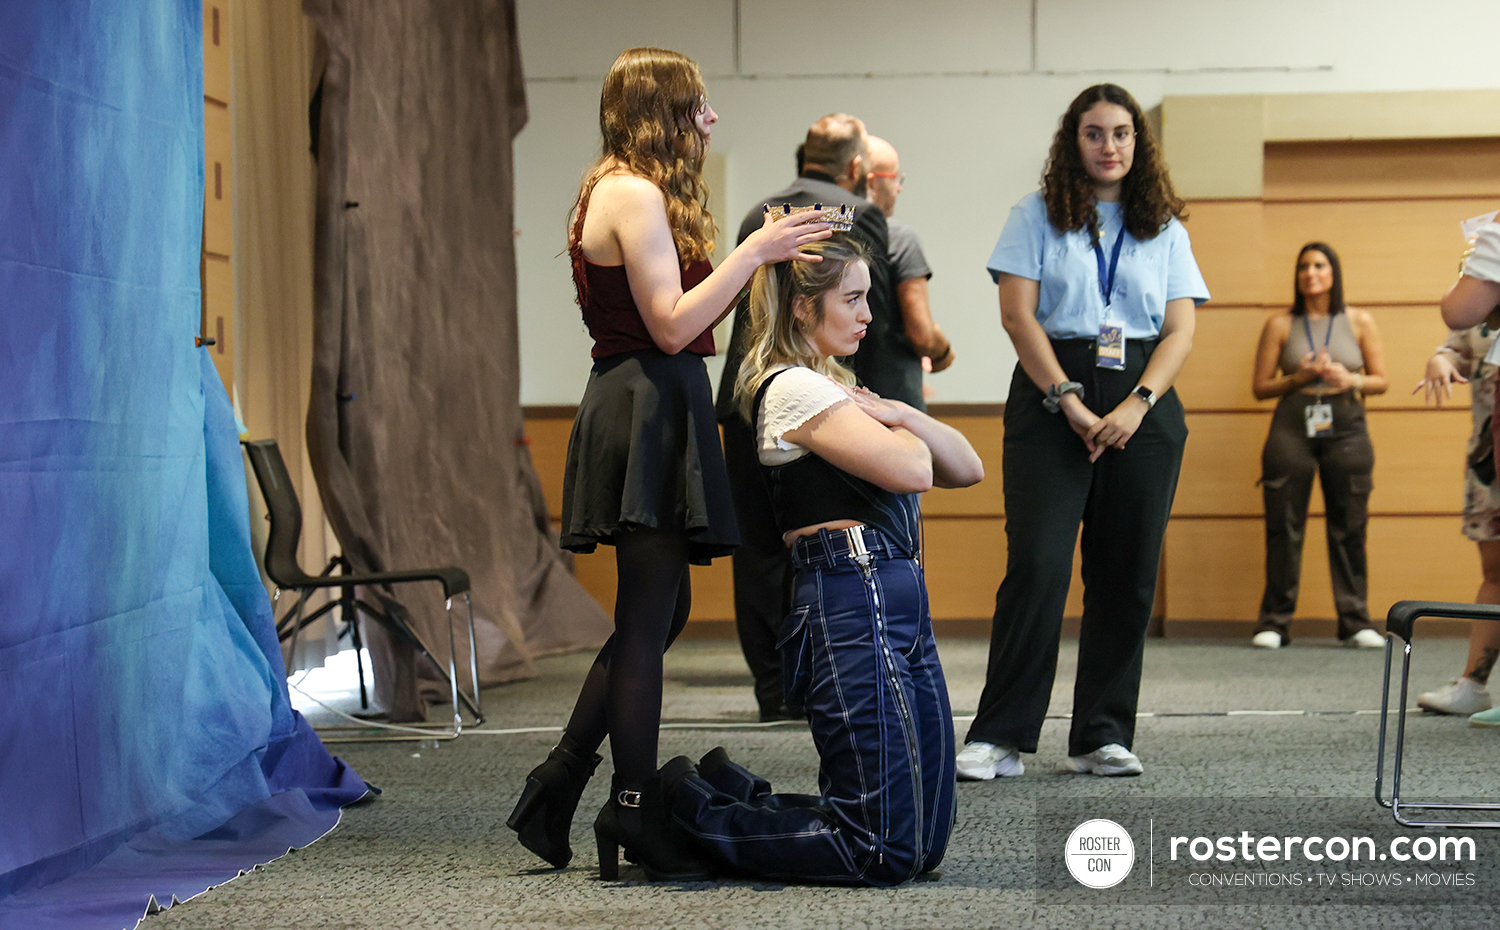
column 969, row 91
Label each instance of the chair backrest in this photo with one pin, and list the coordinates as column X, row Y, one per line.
column 284, row 510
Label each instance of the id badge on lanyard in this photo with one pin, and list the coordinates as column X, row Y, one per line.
column 1319, row 415
column 1111, row 344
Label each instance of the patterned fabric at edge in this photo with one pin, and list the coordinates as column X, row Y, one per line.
column 148, row 748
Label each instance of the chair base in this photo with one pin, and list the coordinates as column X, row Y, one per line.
column 350, row 606
column 1401, row 625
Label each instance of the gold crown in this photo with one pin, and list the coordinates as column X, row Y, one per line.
column 840, row 217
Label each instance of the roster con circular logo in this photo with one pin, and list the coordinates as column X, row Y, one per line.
column 1099, row 853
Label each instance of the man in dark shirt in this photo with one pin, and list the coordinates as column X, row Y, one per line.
column 834, row 164
column 909, row 269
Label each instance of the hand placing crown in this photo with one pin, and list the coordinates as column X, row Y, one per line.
column 839, row 217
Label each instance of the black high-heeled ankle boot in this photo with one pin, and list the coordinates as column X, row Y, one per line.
column 638, row 820
column 544, row 814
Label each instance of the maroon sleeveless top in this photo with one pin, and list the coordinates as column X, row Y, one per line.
column 610, row 313
column 609, row 309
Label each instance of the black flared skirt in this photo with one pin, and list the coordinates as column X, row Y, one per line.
column 645, row 452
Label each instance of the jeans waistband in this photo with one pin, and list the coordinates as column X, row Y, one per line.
column 857, row 545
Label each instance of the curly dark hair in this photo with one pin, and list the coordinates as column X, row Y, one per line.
column 1146, row 193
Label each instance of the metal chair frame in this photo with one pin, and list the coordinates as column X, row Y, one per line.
column 1400, row 624
column 285, row 516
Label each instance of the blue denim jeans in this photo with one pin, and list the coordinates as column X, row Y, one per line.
column 858, row 653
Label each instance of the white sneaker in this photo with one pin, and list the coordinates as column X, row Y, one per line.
column 1366, row 639
column 1266, row 639
column 983, row 761
column 1460, row 696
column 1112, row 759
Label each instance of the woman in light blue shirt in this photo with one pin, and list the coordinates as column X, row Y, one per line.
column 1098, row 287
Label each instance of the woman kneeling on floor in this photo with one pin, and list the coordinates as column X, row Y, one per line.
column 844, row 468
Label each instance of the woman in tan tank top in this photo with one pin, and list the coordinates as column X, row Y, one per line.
column 1321, row 359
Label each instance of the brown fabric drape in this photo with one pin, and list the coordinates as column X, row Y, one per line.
column 414, row 425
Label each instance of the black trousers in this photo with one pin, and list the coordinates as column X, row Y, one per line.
column 762, row 566
column 1344, row 462
column 1122, row 502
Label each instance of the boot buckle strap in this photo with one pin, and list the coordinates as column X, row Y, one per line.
column 628, row 798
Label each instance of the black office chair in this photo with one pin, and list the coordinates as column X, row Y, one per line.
column 285, row 516
column 1401, row 624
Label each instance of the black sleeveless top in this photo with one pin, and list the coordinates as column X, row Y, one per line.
column 810, row 490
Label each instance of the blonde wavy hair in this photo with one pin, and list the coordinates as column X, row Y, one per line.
column 647, row 118
column 777, row 335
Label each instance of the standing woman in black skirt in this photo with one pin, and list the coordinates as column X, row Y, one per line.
column 645, row 471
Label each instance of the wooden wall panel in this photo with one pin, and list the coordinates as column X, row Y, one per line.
column 1228, row 242
column 1213, row 564
column 216, row 50
column 1217, row 373
column 1418, row 463
column 1392, row 251
column 1216, row 569
column 1391, row 209
column 548, row 444
column 965, row 562
column 1221, row 465
column 1216, row 566
column 1419, row 456
column 1409, row 334
column 218, row 314
column 216, row 274
column 1415, row 114
column 218, row 223
column 987, row 498
column 1420, row 558
column 549, row 447
column 1367, row 169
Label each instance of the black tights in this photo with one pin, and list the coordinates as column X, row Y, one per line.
column 621, row 696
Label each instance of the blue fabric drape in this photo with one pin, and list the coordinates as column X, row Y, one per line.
column 140, row 676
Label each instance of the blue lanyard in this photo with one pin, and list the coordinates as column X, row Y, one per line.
column 1308, row 326
column 1107, row 281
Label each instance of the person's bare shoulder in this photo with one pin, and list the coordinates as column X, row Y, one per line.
column 1277, row 324
column 1362, row 319
column 624, row 191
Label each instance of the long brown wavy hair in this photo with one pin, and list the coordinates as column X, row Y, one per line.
column 1147, row 199
column 777, row 336
column 647, row 115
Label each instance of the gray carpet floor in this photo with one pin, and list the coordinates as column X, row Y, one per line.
column 432, row 851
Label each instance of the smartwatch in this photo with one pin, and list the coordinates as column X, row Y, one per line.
column 1145, row 394
column 1053, row 401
